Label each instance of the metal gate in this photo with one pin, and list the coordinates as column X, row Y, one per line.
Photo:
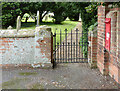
column 70, row 46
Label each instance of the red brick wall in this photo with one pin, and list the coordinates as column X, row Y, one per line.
column 114, row 60
column 16, row 50
column 92, row 53
column 89, row 48
column 101, row 41
column 108, row 62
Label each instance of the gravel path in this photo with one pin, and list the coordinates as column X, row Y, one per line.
column 65, row 76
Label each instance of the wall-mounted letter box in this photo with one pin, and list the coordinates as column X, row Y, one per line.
column 107, row 33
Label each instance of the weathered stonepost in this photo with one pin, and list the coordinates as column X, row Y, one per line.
column 42, row 46
column 18, row 25
column 79, row 16
column 38, row 18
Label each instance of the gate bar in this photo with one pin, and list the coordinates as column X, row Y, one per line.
column 58, row 51
column 74, row 49
column 66, row 42
column 76, row 43
column 60, row 44
column 82, row 44
column 79, row 51
column 55, row 44
column 68, row 51
column 71, row 45
column 63, row 51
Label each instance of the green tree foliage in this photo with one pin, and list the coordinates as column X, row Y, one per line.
column 41, row 6
column 59, row 9
column 73, row 10
column 10, row 11
column 116, row 4
column 89, row 17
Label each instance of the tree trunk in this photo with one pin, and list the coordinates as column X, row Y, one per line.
column 40, row 17
column 26, row 19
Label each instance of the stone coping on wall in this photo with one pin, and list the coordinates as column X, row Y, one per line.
column 13, row 33
column 44, row 27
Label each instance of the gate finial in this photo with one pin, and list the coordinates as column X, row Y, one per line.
column 77, row 29
column 65, row 30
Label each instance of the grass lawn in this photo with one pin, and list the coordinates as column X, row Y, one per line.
column 65, row 24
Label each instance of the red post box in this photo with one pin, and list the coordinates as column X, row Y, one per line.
column 107, row 33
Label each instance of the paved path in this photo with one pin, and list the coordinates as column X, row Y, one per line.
column 65, row 76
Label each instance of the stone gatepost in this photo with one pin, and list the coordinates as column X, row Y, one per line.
column 92, row 49
column 80, row 17
column 42, row 46
column 18, row 25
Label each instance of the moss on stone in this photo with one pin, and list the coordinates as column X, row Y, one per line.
column 13, row 83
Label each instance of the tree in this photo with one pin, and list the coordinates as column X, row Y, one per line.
column 10, row 11
column 41, row 6
column 73, row 10
column 59, row 10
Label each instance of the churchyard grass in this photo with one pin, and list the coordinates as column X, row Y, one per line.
column 65, row 24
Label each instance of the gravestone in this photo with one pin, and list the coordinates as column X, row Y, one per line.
column 38, row 18
column 18, row 23
column 79, row 16
column 10, row 27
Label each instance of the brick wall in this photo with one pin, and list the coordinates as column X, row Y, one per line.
column 101, row 62
column 35, row 50
column 114, row 59
column 17, row 50
column 92, row 53
column 108, row 62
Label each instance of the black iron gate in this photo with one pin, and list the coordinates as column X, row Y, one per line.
column 70, row 46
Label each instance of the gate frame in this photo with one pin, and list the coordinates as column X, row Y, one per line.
column 52, row 53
